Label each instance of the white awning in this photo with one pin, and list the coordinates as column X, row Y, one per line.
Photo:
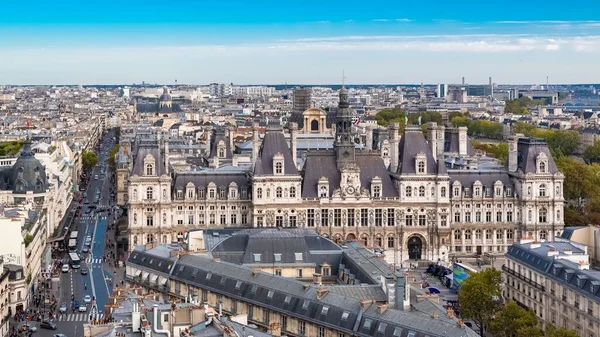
column 163, row 281
column 137, row 273
column 449, row 276
column 144, row 275
column 153, row 278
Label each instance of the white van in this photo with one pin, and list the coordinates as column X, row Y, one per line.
column 96, row 177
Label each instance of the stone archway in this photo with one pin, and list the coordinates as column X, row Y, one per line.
column 337, row 238
column 350, row 236
column 415, row 247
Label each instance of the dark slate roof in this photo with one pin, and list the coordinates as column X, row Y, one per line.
column 242, row 246
column 273, row 143
column 528, row 149
column 411, row 144
column 323, row 164
column 568, row 232
column 201, row 179
column 583, row 281
column 149, row 148
column 27, row 174
column 451, row 142
column 487, row 178
column 156, row 108
column 151, row 262
column 220, row 136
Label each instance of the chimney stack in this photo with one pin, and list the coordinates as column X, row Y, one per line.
column 294, row 142
column 395, row 141
column 255, row 144
column 432, row 138
column 513, row 154
column 462, row 140
column 317, row 279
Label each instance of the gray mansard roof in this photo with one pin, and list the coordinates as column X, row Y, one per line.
column 451, row 142
column 586, row 282
column 201, row 179
column 323, row 164
column 149, row 148
column 219, row 135
column 528, row 150
column 296, row 299
column 274, row 142
column 487, row 178
column 411, row 144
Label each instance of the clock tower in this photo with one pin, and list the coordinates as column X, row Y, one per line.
column 344, row 137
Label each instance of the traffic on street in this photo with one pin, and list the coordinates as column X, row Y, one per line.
column 85, row 264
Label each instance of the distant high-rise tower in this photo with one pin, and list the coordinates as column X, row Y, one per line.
column 463, row 80
column 301, row 101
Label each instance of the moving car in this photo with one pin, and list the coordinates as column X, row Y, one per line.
column 48, row 325
column 96, row 177
column 84, row 271
column 63, row 308
column 82, row 307
column 28, row 327
column 87, row 299
column 65, row 268
column 85, row 249
column 59, row 335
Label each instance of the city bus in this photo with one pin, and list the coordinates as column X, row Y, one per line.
column 74, row 235
column 72, row 245
column 75, row 260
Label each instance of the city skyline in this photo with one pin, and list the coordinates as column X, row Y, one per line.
column 119, row 43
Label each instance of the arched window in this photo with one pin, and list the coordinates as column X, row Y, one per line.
column 408, row 191
column 221, row 153
column 542, row 190
column 543, row 215
column 323, row 192
column 543, row 234
column 149, row 238
column 150, row 220
column 292, row 192
column 278, row 168
column 558, row 215
column 542, row 167
column 20, row 186
column 149, row 169
column 478, row 234
column 468, row 234
column 376, row 191
column 314, row 125
column 457, row 234
column 421, row 167
column 509, row 234
column 443, row 192
column 259, row 193
column 279, row 192
column 135, row 240
column 149, row 193
column 422, row 191
column 379, row 241
column 134, row 218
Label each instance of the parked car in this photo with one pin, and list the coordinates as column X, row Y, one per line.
column 65, row 268
column 84, row 271
column 87, row 299
column 48, row 325
column 85, row 249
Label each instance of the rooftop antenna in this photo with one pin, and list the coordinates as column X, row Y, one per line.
column 343, row 78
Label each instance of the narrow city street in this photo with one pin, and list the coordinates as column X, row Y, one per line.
column 95, row 276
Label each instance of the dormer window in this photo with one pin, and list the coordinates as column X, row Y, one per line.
column 221, row 149
column 376, row 191
column 149, row 163
column 149, row 169
column 542, row 163
column 456, row 191
column 222, row 194
column 420, row 163
column 278, row 163
column 323, row 186
column 376, row 187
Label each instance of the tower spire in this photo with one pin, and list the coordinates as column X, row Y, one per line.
column 343, row 78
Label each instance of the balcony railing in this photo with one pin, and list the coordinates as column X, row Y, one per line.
column 523, row 278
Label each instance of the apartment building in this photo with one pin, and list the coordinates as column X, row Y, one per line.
column 555, row 280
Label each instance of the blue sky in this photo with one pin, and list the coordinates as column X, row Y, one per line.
column 195, row 41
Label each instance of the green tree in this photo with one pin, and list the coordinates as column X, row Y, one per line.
column 460, row 121
column 387, row 116
column 112, row 162
column 486, row 129
column 551, row 331
column 524, row 128
column 89, row 160
column 479, row 296
column 565, row 142
column 592, row 153
column 11, row 148
column 512, row 320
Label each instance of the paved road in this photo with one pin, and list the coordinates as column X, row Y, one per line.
column 74, row 284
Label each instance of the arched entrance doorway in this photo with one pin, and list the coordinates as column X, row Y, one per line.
column 415, row 247
column 351, row 237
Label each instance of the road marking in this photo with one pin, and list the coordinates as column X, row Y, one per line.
column 91, row 269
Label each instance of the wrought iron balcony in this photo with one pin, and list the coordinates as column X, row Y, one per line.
column 523, row 278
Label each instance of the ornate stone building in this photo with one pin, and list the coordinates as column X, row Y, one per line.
column 400, row 198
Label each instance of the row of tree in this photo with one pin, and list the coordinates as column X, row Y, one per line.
column 397, row 115
column 519, row 106
column 480, row 300
column 560, row 141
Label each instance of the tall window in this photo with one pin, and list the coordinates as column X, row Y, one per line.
column 391, row 216
column 456, row 216
column 421, row 167
column 478, row 234
column 259, row 193
column 376, row 191
column 149, row 193
column 543, row 215
column 542, row 167
column 408, row 191
column 351, row 217
column 149, row 169
column 468, row 234
column 324, row 217
column 337, row 217
column 150, row 220
column 457, row 191
column 422, row 191
column 390, row 242
column 364, row 217
column 542, row 190
column 221, row 153
column 292, row 192
column 422, row 220
column 279, row 192
column 408, row 220
column 310, row 218
column 543, row 235
column 509, row 234
column 457, row 234
column 150, row 238
column 378, row 217
column 278, row 168
column 443, row 192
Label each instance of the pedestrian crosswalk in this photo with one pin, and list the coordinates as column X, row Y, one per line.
column 91, row 260
column 82, row 317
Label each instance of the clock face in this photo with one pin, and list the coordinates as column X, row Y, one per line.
column 350, row 190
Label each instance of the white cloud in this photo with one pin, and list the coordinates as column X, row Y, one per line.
column 403, row 20
column 380, row 20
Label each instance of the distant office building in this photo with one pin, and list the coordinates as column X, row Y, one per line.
column 301, row 101
column 456, row 93
column 442, row 89
column 481, row 90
